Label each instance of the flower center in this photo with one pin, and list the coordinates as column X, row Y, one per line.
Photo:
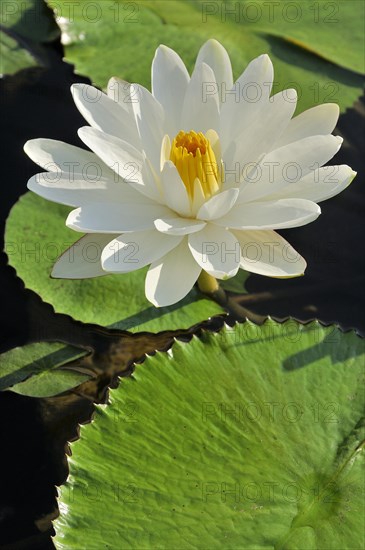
column 196, row 163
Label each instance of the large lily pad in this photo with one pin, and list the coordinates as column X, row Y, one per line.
column 118, row 38
column 251, row 438
column 36, row 235
column 25, row 26
column 328, row 29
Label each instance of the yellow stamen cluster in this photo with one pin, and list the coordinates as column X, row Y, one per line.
column 194, row 159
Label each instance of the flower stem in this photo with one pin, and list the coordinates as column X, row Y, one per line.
column 207, row 283
column 210, row 286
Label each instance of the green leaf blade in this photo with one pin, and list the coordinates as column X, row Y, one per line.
column 35, row 370
column 221, row 445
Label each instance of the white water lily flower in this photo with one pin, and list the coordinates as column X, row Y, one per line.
column 196, row 175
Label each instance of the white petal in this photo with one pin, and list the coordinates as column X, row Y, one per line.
column 171, row 278
column 201, row 104
column 178, row 226
column 216, row 250
column 103, row 113
column 116, row 218
column 267, row 253
column 174, row 190
column 319, row 120
column 82, row 259
column 122, row 158
column 150, row 185
column 76, row 191
column 259, row 137
column 241, row 105
column 319, row 185
column 165, row 151
column 123, row 93
column 218, row 205
column 215, row 143
column 119, row 155
column 150, row 119
column 170, row 80
column 57, row 156
column 198, row 196
column 132, row 251
column 280, row 214
column 288, row 165
column 215, row 55
column 261, row 72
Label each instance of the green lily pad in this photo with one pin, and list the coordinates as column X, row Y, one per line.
column 119, row 38
column 36, row 236
column 36, row 369
column 328, row 29
column 25, row 26
column 252, row 438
